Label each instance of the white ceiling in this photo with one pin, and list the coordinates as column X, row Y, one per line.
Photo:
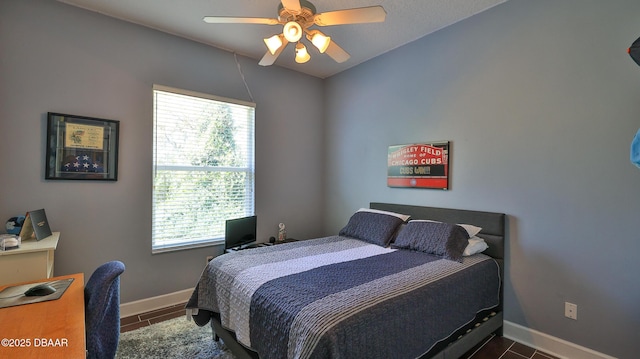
column 406, row 21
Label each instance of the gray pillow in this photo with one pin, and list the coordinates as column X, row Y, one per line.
column 373, row 227
column 442, row 239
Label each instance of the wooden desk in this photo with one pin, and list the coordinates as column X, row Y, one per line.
column 51, row 329
column 32, row 261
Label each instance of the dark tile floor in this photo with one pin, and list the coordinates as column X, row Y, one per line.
column 156, row 316
column 496, row 347
column 492, row 348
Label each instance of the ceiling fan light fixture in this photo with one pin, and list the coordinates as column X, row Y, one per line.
column 319, row 40
column 302, row 55
column 274, row 43
column 292, row 31
column 296, row 17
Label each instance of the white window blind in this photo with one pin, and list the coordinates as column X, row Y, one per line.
column 203, row 167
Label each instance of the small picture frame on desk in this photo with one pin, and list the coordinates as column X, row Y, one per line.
column 81, row 148
column 35, row 226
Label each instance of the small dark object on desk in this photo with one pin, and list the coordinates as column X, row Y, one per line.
column 40, row 290
column 288, row 240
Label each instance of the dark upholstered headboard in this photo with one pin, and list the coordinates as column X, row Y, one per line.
column 493, row 224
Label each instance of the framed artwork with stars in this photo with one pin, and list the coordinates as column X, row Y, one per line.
column 81, row 148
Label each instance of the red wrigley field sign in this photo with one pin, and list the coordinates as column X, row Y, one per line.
column 423, row 165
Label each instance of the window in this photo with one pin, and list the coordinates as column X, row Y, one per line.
column 203, row 167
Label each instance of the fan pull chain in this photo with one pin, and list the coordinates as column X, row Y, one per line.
column 242, row 77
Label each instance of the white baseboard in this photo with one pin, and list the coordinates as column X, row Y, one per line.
column 549, row 344
column 153, row 303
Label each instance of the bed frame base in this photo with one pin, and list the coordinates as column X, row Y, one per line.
column 455, row 350
column 464, row 344
column 230, row 341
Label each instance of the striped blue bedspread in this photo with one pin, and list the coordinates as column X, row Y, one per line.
column 337, row 297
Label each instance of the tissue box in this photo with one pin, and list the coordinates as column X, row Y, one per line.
column 9, row 242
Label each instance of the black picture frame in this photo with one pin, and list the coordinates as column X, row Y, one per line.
column 81, row 148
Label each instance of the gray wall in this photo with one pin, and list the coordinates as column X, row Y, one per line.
column 540, row 101
column 54, row 57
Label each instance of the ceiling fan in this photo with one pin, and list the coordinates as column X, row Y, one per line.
column 297, row 18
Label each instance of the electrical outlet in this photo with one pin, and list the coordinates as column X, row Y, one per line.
column 571, row 310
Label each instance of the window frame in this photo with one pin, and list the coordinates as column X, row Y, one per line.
column 250, row 169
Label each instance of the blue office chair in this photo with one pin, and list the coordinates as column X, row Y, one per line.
column 102, row 310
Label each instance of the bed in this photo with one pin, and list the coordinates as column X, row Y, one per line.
column 383, row 287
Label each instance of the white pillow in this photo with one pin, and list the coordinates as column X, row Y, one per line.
column 471, row 229
column 476, row 245
column 403, row 217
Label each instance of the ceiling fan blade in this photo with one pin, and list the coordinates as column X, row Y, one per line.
column 239, row 20
column 351, row 16
column 268, row 59
column 292, row 5
column 336, row 52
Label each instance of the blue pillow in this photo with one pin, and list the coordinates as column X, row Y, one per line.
column 442, row 239
column 374, row 227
